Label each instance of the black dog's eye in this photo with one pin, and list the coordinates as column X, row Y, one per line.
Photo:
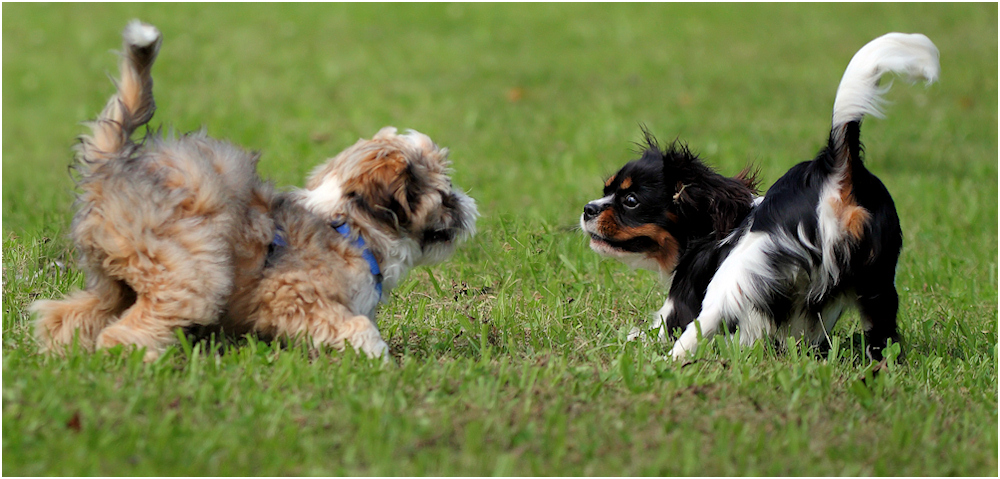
column 630, row 201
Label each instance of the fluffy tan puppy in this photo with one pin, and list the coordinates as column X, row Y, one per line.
column 175, row 232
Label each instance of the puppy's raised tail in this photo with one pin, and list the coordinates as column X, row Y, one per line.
column 913, row 56
column 132, row 104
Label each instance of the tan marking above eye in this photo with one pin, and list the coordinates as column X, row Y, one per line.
column 609, row 181
column 627, row 182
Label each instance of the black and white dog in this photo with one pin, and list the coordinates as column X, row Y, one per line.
column 825, row 236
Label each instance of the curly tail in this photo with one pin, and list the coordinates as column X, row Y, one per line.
column 912, row 55
column 130, row 107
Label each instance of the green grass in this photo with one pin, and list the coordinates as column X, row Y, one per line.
column 511, row 358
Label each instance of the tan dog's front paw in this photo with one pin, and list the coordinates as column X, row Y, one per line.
column 366, row 338
column 377, row 350
column 370, row 343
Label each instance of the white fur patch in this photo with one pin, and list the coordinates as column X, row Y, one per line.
column 832, row 235
column 632, row 260
column 140, row 34
column 419, row 140
column 326, row 199
column 742, row 281
column 912, row 55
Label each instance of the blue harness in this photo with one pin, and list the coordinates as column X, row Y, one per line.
column 345, row 231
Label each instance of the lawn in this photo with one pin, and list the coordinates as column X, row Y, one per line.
column 511, row 358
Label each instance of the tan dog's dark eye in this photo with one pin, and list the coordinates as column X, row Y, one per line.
column 630, row 201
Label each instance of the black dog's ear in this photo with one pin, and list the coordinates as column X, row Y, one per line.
column 713, row 204
column 683, row 170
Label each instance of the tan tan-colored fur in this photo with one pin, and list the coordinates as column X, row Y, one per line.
column 176, row 232
column 853, row 217
column 666, row 255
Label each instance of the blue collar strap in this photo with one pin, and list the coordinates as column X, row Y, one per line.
column 345, row 231
column 366, row 253
column 279, row 237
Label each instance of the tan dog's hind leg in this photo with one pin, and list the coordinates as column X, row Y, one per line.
column 81, row 315
column 148, row 323
column 186, row 286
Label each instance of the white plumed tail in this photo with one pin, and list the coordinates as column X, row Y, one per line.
column 911, row 55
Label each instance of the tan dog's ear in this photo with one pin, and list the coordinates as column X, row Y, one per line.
column 387, row 190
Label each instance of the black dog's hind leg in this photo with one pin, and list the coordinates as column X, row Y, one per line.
column 879, row 305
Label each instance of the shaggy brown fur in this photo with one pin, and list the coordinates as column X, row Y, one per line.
column 176, row 232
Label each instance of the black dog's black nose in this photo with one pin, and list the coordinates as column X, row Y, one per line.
column 590, row 211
